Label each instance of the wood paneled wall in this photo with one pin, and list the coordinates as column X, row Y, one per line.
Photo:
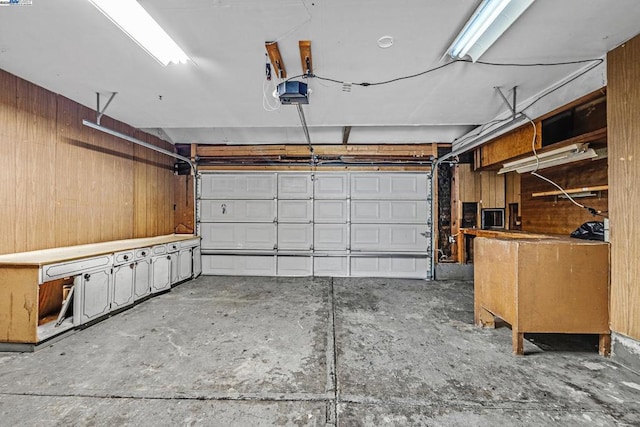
column 555, row 215
column 62, row 183
column 510, row 146
column 623, row 123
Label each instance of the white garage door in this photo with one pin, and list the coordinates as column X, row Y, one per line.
column 324, row 224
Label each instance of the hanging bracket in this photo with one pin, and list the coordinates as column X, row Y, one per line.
column 101, row 112
column 512, row 107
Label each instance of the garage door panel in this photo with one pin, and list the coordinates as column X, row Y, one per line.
column 403, row 267
column 237, row 210
column 295, row 236
column 294, row 266
column 234, row 236
column 388, row 186
column 388, row 237
column 330, row 211
column 295, row 211
column 331, row 266
column 330, row 237
column 331, row 185
column 238, row 186
column 295, row 186
column 388, row 211
column 238, row 265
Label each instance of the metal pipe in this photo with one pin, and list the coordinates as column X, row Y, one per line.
column 159, row 150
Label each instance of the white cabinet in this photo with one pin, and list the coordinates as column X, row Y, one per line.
column 197, row 261
column 142, row 273
column 93, row 295
column 122, row 294
column 160, row 273
column 185, row 264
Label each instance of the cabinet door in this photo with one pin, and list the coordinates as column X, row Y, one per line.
column 142, row 279
column 185, row 264
column 160, row 273
column 94, row 297
column 197, row 262
column 174, row 267
column 122, row 294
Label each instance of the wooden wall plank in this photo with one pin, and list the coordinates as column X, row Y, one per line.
column 623, row 111
column 35, row 151
column 8, row 137
column 513, row 144
column 66, row 184
column 492, row 190
column 553, row 215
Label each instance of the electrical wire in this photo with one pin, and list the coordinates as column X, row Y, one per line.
column 535, row 173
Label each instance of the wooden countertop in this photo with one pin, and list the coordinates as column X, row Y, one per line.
column 527, row 237
column 55, row 255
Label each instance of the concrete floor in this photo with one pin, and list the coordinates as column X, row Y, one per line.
column 231, row 351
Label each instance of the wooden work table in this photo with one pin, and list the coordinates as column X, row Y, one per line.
column 542, row 284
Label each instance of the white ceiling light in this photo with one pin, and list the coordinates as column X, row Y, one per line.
column 568, row 154
column 489, row 21
column 134, row 21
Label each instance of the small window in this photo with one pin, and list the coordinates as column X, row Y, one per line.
column 492, row 218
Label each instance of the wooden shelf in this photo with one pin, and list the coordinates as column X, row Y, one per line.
column 571, row 191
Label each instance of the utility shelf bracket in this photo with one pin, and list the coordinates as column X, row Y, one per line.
column 101, row 112
column 512, row 107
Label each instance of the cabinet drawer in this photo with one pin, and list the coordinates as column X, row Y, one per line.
column 143, row 253
column 70, row 268
column 123, row 257
column 191, row 243
column 173, row 247
column 158, row 250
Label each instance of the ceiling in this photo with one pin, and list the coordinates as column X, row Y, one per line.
column 70, row 48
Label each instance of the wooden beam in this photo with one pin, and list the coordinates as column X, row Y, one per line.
column 276, row 59
column 305, row 56
column 571, row 191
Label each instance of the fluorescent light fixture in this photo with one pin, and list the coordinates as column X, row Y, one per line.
column 559, row 156
column 134, row 21
column 489, row 21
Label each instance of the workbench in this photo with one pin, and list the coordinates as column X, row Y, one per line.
column 543, row 285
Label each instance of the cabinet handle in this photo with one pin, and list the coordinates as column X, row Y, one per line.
column 132, row 265
column 168, row 257
column 126, row 257
column 144, row 254
column 87, row 277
